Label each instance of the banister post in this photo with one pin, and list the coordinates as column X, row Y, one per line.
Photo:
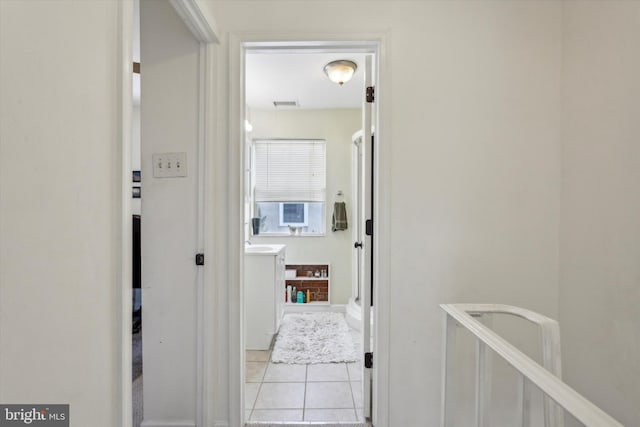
column 551, row 360
column 524, row 401
column 483, row 377
column 448, row 359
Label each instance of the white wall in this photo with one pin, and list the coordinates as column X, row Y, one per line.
column 60, row 180
column 474, row 94
column 336, row 127
column 600, row 287
column 473, row 97
column 169, row 123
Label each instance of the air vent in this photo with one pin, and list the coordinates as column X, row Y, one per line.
column 288, row 104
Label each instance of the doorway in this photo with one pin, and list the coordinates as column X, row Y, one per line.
column 176, row 49
column 292, row 111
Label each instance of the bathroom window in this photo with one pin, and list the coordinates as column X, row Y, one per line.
column 289, row 186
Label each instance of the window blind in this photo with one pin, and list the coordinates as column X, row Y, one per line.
column 291, row 170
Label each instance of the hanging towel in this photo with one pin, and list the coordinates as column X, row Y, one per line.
column 339, row 221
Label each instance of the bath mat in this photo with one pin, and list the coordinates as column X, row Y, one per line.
column 314, row 338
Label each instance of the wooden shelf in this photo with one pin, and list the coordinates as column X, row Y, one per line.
column 319, row 287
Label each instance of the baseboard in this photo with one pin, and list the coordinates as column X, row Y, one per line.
column 173, row 423
column 180, row 424
column 314, row 308
column 307, row 424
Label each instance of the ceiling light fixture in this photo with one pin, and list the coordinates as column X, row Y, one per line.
column 340, row 71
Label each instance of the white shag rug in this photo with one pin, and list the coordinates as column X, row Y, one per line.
column 314, row 338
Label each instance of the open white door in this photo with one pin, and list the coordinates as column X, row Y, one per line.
column 175, row 83
column 366, row 227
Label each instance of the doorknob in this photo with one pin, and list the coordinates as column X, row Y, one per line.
column 357, row 245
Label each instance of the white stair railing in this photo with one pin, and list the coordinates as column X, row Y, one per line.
column 557, row 395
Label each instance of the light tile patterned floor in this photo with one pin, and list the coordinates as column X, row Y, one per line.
column 322, row 392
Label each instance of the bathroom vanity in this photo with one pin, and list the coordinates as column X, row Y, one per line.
column 264, row 280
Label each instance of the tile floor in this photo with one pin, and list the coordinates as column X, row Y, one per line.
column 320, row 392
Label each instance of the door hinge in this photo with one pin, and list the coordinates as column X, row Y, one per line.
column 368, row 360
column 199, row 259
column 370, row 94
column 368, row 227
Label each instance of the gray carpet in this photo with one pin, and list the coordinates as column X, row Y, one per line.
column 137, row 402
column 136, row 371
column 136, row 355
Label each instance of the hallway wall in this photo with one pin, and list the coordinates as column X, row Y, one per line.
column 483, row 100
column 60, row 211
column 600, row 274
column 471, row 108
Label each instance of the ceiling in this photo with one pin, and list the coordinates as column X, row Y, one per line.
column 300, row 77
column 286, row 77
column 295, row 77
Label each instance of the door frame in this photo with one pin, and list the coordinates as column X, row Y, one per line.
column 239, row 43
column 123, row 202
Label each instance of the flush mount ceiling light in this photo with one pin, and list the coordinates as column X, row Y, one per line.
column 340, row 71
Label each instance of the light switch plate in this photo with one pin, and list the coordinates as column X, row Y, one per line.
column 169, row 165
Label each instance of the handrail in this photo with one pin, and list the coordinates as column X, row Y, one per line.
column 551, row 360
column 550, row 331
column 552, row 386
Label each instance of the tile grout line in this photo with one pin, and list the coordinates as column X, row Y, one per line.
column 304, row 397
column 253, row 407
column 260, row 387
column 353, row 398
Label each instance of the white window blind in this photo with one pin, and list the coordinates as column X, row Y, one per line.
column 291, row 170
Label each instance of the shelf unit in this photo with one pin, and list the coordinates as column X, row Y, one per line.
column 319, row 287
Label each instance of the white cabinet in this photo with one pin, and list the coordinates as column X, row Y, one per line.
column 263, row 294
